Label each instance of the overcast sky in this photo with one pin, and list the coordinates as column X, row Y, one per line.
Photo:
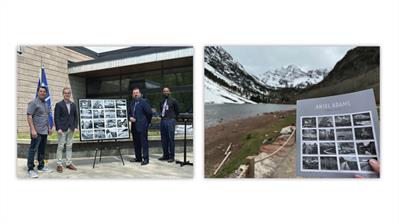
column 100, row 49
column 259, row 59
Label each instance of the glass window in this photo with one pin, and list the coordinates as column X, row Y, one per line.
column 103, row 85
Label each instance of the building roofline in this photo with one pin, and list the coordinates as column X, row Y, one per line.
column 84, row 51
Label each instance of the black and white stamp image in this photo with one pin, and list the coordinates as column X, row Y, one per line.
column 122, row 123
column 99, row 124
column 326, row 135
column 86, row 114
column 109, row 114
column 309, row 134
column 110, row 123
column 123, row 133
column 86, row 134
column 328, row 163
column 120, row 104
column 346, row 148
column 109, row 104
column 365, row 133
column 348, row 163
column 98, row 114
column 364, row 163
column 85, row 104
column 309, row 122
column 86, row 124
column 362, row 119
column 325, row 122
column 343, row 121
column 99, row 134
column 121, row 114
column 309, row 148
column 328, row 148
column 111, row 133
column 344, row 133
column 310, row 163
column 366, row 148
column 97, row 104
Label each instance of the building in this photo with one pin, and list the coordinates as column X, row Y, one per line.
column 110, row 74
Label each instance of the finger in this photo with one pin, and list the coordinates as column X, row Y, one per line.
column 358, row 176
column 375, row 165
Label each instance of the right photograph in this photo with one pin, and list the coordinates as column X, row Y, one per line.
column 292, row 111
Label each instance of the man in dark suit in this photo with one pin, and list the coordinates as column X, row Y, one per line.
column 140, row 115
column 66, row 123
column 169, row 111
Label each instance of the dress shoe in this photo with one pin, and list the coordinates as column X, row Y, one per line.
column 171, row 160
column 163, row 158
column 59, row 169
column 71, row 167
column 144, row 162
column 135, row 160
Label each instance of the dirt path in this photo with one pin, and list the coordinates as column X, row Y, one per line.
column 219, row 137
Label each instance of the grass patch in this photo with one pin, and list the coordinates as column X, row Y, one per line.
column 251, row 143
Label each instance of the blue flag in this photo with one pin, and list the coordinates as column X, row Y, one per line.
column 43, row 82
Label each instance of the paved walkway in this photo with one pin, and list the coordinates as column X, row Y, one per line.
column 112, row 167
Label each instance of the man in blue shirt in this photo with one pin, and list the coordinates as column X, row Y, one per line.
column 140, row 115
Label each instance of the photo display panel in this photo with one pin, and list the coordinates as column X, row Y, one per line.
column 103, row 119
column 337, row 136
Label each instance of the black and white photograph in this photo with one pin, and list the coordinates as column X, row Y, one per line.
column 346, row 148
column 309, row 148
column 86, row 124
column 111, row 133
column 121, row 114
column 110, row 123
column 122, row 123
column 328, row 163
column 85, row 104
column 344, row 133
column 109, row 114
column 109, row 104
column 366, row 148
column 123, row 133
column 365, row 133
column 328, row 148
column 120, row 104
column 98, row 124
column 85, row 114
column 99, row 134
column 86, row 134
column 97, row 104
column 325, row 122
column 326, row 134
column 309, row 122
column 348, row 163
column 362, row 119
column 309, row 134
column 343, row 121
column 310, row 163
column 364, row 163
column 98, row 114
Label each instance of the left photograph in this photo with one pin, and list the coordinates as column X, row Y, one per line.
column 104, row 112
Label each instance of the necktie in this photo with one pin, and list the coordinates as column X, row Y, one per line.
column 164, row 107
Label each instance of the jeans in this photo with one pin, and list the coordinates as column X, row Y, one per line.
column 168, row 137
column 66, row 139
column 37, row 144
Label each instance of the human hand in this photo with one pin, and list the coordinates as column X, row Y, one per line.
column 33, row 133
column 59, row 131
column 132, row 119
column 375, row 165
column 76, row 129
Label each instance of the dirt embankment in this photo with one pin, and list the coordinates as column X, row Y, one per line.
column 218, row 138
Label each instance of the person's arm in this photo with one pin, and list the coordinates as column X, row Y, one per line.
column 148, row 111
column 76, row 118
column 30, row 111
column 176, row 107
column 130, row 113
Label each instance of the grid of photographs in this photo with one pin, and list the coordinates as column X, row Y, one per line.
column 103, row 119
column 338, row 143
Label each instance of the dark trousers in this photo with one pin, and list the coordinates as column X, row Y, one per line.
column 38, row 145
column 168, row 137
column 140, row 142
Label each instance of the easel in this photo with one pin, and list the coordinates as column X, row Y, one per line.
column 101, row 147
column 185, row 162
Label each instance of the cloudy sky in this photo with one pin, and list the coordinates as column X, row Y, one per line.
column 259, row 59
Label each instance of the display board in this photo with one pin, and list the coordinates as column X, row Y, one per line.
column 337, row 135
column 103, row 119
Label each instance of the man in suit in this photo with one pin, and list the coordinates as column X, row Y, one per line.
column 169, row 111
column 140, row 115
column 66, row 123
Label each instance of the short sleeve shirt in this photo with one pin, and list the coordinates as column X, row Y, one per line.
column 40, row 115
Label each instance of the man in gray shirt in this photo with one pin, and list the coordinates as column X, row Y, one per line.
column 38, row 120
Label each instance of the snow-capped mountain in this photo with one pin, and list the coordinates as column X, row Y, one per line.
column 293, row 77
column 226, row 80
